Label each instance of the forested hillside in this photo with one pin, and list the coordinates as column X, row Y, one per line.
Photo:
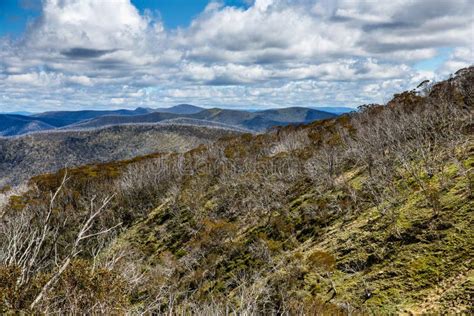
column 369, row 212
column 25, row 156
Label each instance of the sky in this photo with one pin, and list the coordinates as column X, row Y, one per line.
column 109, row 54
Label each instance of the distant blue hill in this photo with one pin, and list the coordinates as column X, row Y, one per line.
column 255, row 121
column 335, row 109
column 330, row 109
column 14, row 124
column 70, row 117
column 181, row 109
column 18, row 113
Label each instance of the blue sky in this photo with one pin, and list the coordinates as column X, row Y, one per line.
column 432, row 64
column 179, row 13
column 15, row 14
column 84, row 54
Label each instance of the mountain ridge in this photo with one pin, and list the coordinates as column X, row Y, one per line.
column 238, row 118
column 257, row 121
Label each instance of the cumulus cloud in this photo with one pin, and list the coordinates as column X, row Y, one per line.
column 271, row 53
column 266, row 33
column 89, row 24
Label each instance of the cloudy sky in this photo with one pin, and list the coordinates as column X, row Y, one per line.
column 104, row 54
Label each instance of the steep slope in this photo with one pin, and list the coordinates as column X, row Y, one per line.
column 367, row 213
column 23, row 157
column 315, row 252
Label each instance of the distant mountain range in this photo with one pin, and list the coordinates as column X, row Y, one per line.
column 18, row 113
column 256, row 121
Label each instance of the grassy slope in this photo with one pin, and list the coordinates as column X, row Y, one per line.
column 407, row 259
column 415, row 261
column 410, row 260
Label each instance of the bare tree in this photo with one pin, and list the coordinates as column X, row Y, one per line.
column 28, row 238
column 83, row 234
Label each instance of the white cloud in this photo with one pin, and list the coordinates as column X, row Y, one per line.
column 93, row 53
column 117, row 100
column 82, row 80
column 265, row 33
column 88, row 23
column 461, row 57
column 36, row 79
